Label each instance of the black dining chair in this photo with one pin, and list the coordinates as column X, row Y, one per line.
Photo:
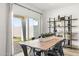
column 35, row 51
column 24, row 48
column 39, row 36
column 57, row 50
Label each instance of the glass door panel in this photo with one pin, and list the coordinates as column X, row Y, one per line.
column 17, row 34
column 33, row 28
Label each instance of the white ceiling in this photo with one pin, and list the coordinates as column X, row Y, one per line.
column 49, row 6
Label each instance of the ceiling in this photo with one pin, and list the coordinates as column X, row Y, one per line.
column 49, row 6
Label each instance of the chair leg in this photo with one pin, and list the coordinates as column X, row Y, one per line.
column 34, row 51
column 45, row 53
column 61, row 52
column 56, row 53
column 24, row 47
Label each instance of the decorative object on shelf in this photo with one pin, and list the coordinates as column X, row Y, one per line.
column 62, row 18
column 59, row 17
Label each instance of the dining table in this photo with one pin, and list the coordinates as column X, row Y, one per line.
column 43, row 44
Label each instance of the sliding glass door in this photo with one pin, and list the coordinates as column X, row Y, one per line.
column 32, row 28
column 24, row 29
column 17, row 34
column 26, row 25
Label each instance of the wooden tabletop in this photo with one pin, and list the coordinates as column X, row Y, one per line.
column 43, row 45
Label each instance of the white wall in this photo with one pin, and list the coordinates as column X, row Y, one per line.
column 64, row 11
column 5, row 29
column 3, row 18
column 31, row 7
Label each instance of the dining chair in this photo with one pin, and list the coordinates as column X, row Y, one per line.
column 57, row 50
column 36, row 52
column 24, row 48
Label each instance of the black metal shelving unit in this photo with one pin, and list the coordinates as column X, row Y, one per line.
column 54, row 27
column 68, row 26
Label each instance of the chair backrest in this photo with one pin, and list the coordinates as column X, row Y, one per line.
column 39, row 36
column 59, row 45
column 24, row 48
column 33, row 38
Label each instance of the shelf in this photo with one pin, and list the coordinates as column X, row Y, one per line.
column 74, row 19
column 63, row 26
column 53, row 21
column 67, row 46
column 71, row 39
column 75, row 39
column 63, row 20
column 72, row 47
column 67, row 32
column 69, row 26
column 51, row 18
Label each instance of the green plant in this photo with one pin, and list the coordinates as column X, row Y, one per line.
column 46, row 35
